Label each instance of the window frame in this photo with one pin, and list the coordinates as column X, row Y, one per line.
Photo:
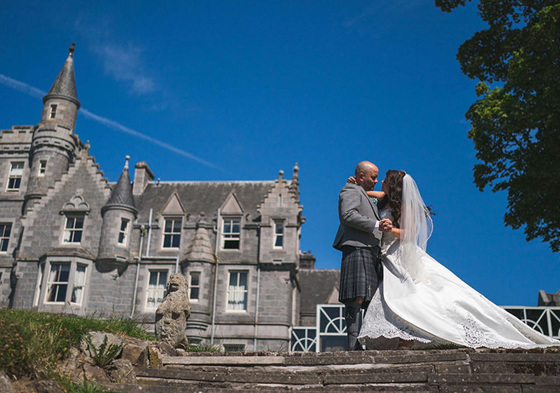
column 229, row 292
column 5, row 239
column 171, row 234
column 158, row 270
column 74, row 230
column 44, row 283
column 231, row 235
column 15, row 177
column 42, row 168
column 52, row 112
column 123, row 236
column 191, row 286
column 278, row 223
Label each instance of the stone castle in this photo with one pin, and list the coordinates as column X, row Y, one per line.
column 72, row 242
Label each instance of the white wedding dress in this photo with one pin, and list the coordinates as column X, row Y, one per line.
column 427, row 303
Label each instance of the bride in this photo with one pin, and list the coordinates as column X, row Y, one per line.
column 420, row 302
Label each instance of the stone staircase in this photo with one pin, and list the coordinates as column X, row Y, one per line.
column 452, row 370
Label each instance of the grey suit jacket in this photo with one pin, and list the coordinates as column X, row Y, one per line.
column 358, row 216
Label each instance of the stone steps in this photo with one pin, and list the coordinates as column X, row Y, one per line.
column 457, row 370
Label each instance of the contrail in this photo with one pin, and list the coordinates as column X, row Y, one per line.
column 21, row 87
column 38, row 93
column 113, row 124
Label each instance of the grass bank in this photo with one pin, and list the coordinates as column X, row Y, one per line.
column 31, row 343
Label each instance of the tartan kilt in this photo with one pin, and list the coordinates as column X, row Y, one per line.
column 360, row 274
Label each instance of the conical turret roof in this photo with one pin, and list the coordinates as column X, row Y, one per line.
column 122, row 192
column 65, row 84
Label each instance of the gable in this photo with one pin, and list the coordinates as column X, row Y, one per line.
column 231, row 205
column 174, row 206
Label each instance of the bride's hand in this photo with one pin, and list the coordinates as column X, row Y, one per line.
column 352, row 180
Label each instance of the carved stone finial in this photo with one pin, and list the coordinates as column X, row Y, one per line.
column 296, row 170
column 71, row 49
column 281, row 173
column 127, row 158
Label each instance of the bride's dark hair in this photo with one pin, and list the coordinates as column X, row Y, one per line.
column 394, row 182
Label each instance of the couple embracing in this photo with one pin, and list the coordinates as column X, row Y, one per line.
column 410, row 300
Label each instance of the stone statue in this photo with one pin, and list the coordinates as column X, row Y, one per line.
column 173, row 312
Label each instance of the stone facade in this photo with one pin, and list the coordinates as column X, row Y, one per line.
column 71, row 242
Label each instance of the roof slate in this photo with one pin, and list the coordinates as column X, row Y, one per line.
column 65, row 83
column 202, row 197
column 122, row 192
column 316, row 287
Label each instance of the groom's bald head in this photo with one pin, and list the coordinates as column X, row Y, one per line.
column 366, row 175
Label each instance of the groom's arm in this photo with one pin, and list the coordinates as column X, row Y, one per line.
column 349, row 203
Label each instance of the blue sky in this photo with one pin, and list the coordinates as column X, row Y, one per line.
column 238, row 90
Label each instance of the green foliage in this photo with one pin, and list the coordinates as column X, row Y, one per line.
column 105, row 353
column 203, row 348
column 31, row 343
column 84, row 387
column 516, row 119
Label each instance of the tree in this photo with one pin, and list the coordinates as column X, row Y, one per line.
column 515, row 122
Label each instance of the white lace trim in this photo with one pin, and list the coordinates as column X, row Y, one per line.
column 380, row 321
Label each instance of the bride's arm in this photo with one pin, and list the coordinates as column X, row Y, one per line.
column 396, row 232
column 371, row 194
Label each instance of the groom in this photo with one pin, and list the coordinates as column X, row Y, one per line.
column 358, row 238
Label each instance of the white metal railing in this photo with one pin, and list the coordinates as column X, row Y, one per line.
column 330, row 330
column 303, row 339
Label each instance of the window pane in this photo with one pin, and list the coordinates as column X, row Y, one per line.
column 5, row 230
column 172, row 233
column 243, row 280
column 73, row 229
column 79, row 283
column 162, row 278
column 233, row 276
column 79, row 222
column 237, row 291
column 58, row 282
column 236, row 226
column 231, row 233
column 63, row 273
column 156, row 288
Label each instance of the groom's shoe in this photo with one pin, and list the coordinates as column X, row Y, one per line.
column 352, row 326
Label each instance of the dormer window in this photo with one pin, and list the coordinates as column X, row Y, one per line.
column 53, row 112
column 231, row 233
column 172, row 232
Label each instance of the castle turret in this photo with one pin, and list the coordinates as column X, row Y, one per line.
column 54, row 145
column 119, row 214
column 199, row 266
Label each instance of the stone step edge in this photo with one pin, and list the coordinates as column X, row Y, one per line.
column 223, row 360
column 279, row 360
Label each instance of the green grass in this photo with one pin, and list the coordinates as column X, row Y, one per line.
column 31, row 343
